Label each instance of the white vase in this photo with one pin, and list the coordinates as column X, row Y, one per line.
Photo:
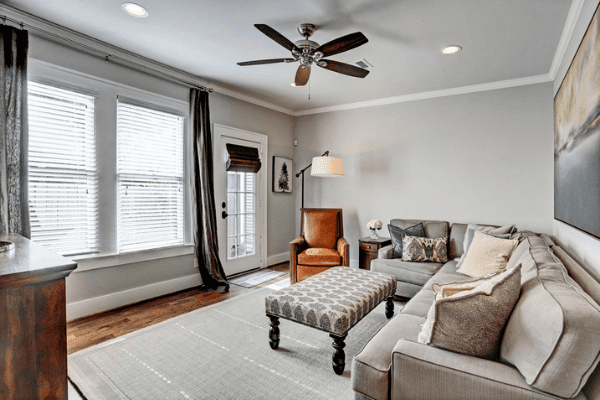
column 374, row 234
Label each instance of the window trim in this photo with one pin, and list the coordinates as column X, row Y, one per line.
column 106, row 92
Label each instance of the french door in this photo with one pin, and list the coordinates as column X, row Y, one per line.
column 240, row 199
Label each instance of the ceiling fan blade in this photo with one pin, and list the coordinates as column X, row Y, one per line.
column 302, row 76
column 342, row 44
column 270, row 61
column 276, row 36
column 343, row 68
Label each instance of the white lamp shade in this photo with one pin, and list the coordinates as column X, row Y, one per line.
column 327, row 167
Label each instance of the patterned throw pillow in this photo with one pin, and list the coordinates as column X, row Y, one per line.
column 397, row 235
column 471, row 321
column 487, row 255
column 425, row 249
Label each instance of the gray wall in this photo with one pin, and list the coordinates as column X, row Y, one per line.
column 483, row 157
column 585, row 248
column 94, row 289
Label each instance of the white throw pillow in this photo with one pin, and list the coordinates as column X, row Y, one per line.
column 487, row 254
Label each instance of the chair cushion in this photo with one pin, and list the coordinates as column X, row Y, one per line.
column 552, row 335
column 320, row 228
column 319, row 256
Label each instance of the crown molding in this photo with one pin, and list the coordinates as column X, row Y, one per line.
column 58, row 33
column 76, row 39
column 531, row 80
column 565, row 38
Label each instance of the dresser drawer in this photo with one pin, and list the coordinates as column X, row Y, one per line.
column 369, row 247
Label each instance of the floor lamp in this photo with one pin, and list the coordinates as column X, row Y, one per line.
column 324, row 166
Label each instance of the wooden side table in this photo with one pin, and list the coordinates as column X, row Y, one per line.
column 368, row 248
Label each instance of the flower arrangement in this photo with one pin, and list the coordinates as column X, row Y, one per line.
column 374, row 225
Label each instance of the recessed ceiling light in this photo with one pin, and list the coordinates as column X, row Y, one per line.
column 135, row 9
column 451, row 49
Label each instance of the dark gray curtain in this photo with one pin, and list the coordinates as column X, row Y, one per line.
column 14, row 202
column 205, row 218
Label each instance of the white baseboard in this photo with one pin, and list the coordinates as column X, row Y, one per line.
column 278, row 258
column 98, row 304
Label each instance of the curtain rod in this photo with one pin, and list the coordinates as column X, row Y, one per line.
column 107, row 56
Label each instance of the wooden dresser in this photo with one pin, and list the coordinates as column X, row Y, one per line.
column 368, row 248
column 33, row 326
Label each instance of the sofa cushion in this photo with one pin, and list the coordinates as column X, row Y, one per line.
column 433, row 229
column 471, row 321
column 552, row 335
column 487, row 254
column 420, row 304
column 422, row 249
column 319, row 256
column 489, row 230
column 371, row 366
column 397, row 236
column 414, row 272
column 468, row 240
column 455, row 240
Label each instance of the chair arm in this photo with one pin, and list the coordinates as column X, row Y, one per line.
column 296, row 246
column 343, row 247
column 427, row 372
column 385, row 251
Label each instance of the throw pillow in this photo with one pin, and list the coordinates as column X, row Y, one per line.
column 471, row 321
column 469, row 239
column 397, row 235
column 425, row 249
column 487, row 255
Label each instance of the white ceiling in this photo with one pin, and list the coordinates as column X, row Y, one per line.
column 501, row 40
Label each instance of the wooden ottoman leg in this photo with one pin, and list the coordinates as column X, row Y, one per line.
column 274, row 332
column 339, row 356
column 389, row 306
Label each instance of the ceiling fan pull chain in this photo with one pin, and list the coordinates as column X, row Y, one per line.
column 308, row 90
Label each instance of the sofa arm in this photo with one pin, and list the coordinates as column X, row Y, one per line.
column 296, row 246
column 385, row 252
column 343, row 247
column 420, row 371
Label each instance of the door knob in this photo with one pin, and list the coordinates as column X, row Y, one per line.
column 224, row 214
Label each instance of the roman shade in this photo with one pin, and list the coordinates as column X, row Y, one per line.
column 243, row 159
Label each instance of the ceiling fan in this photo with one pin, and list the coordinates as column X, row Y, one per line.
column 308, row 52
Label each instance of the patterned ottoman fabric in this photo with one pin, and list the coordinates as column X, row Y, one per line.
column 334, row 300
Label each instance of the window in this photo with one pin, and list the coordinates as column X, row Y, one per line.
column 149, row 178
column 241, row 210
column 63, row 174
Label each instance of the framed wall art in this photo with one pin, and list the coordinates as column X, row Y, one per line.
column 577, row 137
column 283, row 172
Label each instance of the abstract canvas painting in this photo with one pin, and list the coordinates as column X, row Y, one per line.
column 282, row 174
column 577, row 137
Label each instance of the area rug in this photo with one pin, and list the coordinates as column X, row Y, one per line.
column 220, row 352
column 256, row 278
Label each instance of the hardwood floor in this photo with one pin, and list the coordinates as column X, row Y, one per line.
column 89, row 331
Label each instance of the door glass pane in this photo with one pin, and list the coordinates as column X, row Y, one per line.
column 241, row 208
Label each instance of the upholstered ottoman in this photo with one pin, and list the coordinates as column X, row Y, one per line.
column 333, row 301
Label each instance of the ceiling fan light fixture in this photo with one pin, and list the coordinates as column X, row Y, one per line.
column 453, row 49
column 135, row 10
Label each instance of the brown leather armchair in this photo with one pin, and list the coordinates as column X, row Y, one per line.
column 321, row 244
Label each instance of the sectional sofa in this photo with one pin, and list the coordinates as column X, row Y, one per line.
column 549, row 349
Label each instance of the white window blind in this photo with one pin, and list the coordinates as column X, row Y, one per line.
column 150, row 178
column 63, row 174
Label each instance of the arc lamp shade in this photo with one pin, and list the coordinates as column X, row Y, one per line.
column 329, row 167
